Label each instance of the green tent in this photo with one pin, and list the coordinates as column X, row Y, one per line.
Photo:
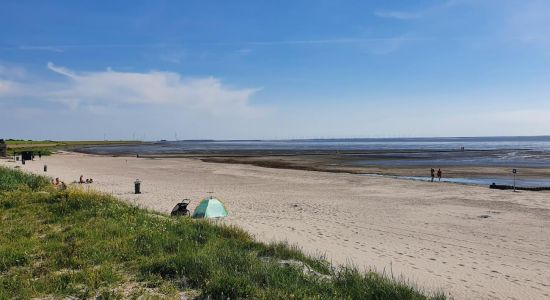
column 210, row 208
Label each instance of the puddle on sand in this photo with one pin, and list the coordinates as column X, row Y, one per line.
column 531, row 182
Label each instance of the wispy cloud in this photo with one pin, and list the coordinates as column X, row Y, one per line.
column 243, row 44
column 12, row 72
column 401, row 15
column 60, row 48
column 61, row 70
column 41, row 48
column 174, row 57
column 105, row 89
column 388, row 46
column 334, row 41
column 244, row 51
column 416, row 14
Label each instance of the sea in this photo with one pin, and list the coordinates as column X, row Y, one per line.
column 514, row 152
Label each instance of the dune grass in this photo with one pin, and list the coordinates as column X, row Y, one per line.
column 84, row 244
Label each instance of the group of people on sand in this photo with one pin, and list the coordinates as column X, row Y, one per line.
column 88, row 180
column 59, row 184
column 439, row 173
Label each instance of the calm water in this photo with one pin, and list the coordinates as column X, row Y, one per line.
column 492, row 151
column 540, row 143
column 513, row 152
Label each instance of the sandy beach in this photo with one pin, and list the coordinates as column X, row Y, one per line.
column 469, row 241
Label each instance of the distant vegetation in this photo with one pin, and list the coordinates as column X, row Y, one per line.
column 48, row 146
column 83, row 244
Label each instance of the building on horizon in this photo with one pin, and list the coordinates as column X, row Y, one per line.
column 3, row 148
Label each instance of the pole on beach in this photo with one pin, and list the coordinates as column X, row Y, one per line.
column 137, row 186
column 514, row 171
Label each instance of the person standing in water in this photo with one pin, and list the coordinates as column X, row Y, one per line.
column 439, row 174
column 432, row 172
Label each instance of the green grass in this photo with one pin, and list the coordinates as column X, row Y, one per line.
column 45, row 151
column 84, row 244
column 16, row 180
column 48, row 147
column 31, row 142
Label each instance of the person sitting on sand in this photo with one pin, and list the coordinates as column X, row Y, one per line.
column 57, row 182
column 81, row 179
column 439, row 174
column 432, row 171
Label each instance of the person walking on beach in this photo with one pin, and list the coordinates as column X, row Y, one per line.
column 432, row 172
column 439, row 174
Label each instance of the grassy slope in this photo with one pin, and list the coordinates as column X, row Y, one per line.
column 60, row 243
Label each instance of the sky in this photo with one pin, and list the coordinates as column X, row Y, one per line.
column 94, row 70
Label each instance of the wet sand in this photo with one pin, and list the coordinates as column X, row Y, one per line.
column 343, row 164
column 470, row 241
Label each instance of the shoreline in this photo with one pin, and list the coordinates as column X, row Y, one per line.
column 467, row 240
column 343, row 162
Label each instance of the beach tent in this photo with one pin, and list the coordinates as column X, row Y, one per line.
column 210, row 208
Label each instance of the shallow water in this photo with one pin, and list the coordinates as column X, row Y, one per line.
column 530, row 182
column 541, row 143
column 478, row 151
column 496, row 158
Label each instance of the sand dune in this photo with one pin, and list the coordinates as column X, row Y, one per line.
column 472, row 242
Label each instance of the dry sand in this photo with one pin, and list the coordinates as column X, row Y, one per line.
column 472, row 242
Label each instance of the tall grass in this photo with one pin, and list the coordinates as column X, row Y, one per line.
column 85, row 244
column 11, row 180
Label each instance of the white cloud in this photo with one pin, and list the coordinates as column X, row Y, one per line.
column 12, row 72
column 110, row 89
column 61, row 70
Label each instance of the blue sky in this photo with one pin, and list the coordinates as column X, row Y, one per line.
column 273, row 69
